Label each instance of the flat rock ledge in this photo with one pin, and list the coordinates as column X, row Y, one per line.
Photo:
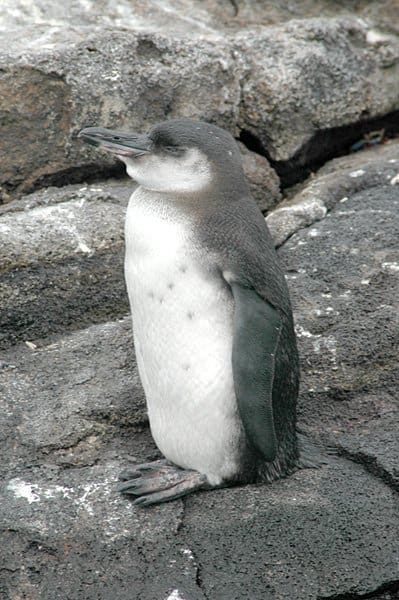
column 73, row 414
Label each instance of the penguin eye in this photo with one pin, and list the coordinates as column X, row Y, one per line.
column 173, row 149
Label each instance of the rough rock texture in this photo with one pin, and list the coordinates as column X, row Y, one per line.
column 62, row 251
column 210, row 17
column 334, row 183
column 281, row 84
column 73, row 415
column 334, row 281
column 309, row 537
column 263, row 180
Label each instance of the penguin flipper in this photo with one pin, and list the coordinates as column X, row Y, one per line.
column 257, row 327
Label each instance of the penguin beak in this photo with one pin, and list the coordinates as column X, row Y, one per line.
column 117, row 142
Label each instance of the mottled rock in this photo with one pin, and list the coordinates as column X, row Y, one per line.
column 334, row 183
column 343, row 275
column 62, row 260
column 85, row 389
column 281, row 84
column 315, row 535
column 184, row 17
column 263, row 180
column 376, row 446
column 307, row 538
column 312, row 75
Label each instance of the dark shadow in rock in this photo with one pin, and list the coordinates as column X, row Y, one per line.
column 325, row 145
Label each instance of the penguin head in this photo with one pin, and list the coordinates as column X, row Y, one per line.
column 180, row 156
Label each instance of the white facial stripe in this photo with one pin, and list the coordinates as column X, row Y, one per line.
column 188, row 173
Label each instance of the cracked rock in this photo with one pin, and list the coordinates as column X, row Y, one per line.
column 333, row 183
column 343, row 276
column 282, row 84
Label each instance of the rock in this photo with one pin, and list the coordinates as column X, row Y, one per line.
column 263, row 180
column 306, row 538
column 334, row 183
column 343, row 275
column 375, row 445
column 309, row 76
column 185, row 17
column 281, row 85
column 62, row 255
column 88, row 388
column 314, row 535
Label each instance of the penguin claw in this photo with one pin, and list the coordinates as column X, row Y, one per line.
column 159, row 482
column 137, row 470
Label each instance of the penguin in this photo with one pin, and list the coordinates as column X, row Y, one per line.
column 212, row 320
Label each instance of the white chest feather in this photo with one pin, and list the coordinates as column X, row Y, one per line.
column 182, row 322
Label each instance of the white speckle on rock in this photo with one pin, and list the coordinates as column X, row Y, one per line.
column 390, row 266
column 187, row 552
column 392, row 160
column 302, row 332
column 313, row 232
column 357, row 173
column 174, row 595
column 374, row 37
column 113, row 76
column 84, row 247
column 85, row 500
column 365, row 281
column 394, row 180
column 21, row 489
column 344, row 199
column 31, row 345
column 330, row 343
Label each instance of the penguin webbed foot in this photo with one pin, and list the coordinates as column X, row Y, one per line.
column 159, row 481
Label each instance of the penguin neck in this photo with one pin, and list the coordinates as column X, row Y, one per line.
column 199, row 202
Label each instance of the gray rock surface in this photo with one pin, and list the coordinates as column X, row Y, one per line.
column 312, row 536
column 263, row 180
column 183, row 17
column 62, row 260
column 73, row 415
column 334, row 183
column 282, row 84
